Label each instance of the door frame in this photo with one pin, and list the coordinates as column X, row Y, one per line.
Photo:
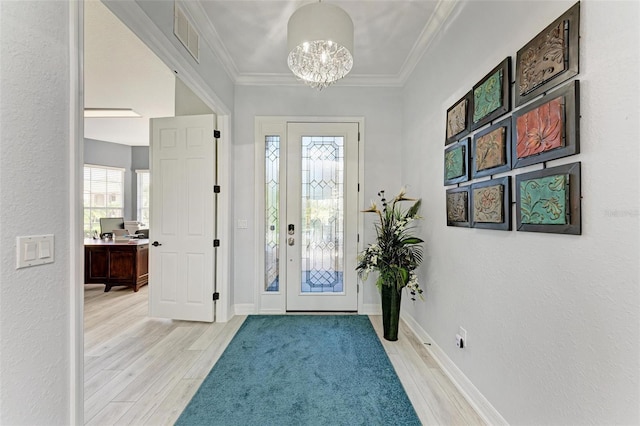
column 134, row 17
column 76, row 220
column 275, row 302
column 153, row 37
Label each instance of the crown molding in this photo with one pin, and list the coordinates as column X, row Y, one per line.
column 436, row 22
column 291, row 80
column 198, row 16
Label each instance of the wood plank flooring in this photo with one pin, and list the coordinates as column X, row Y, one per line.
column 141, row 370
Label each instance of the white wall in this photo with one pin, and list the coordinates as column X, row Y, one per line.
column 34, row 181
column 552, row 320
column 381, row 109
column 152, row 21
column 187, row 102
column 121, row 72
column 139, row 161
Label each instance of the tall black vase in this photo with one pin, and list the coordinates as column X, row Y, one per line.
column 390, row 311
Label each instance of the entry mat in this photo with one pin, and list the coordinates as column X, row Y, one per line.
column 302, row 370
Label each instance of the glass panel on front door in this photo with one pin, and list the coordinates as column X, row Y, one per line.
column 272, row 214
column 322, row 213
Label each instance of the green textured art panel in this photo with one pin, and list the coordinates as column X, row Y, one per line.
column 454, row 163
column 487, row 97
column 544, row 201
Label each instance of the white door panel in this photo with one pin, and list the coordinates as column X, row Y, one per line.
column 321, row 194
column 182, row 218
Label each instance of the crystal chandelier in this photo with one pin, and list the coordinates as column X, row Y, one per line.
column 320, row 41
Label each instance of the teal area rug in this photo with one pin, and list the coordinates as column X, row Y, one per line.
column 302, row 370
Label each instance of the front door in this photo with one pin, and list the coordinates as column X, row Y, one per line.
column 321, row 216
column 182, row 218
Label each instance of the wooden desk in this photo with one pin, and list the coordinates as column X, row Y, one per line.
column 115, row 264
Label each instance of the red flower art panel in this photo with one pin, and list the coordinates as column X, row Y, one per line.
column 541, row 129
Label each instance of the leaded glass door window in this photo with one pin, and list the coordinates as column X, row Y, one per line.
column 272, row 214
column 321, row 216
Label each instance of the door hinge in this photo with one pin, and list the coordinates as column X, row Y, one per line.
column 358, row 136
column 216, row 243
column 216, row 134
column 216, row 189
column 358, row 238
column 358, row 187
column 358, row 288
column 216, row 296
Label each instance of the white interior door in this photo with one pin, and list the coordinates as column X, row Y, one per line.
column 182, row 218
column 321, row 216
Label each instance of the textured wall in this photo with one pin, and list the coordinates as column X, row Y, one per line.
column 552, row 320
column 34, row 182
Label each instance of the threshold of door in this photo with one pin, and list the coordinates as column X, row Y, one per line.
column 322, row 312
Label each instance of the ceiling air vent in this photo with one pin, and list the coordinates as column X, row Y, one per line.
column 185, row 32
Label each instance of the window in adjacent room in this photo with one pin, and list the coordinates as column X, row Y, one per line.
column 103, row 195
column 143, row 178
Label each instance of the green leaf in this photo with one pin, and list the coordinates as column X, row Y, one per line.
column 412, row 240
column 404, row 273
column 413, row 211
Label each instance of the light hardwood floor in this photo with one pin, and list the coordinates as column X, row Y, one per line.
column 141, row 370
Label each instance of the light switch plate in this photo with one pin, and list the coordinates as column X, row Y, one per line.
column 34, row 250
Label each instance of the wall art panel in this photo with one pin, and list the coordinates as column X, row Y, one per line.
column 491, row 96
column 491, row 150
column 548, row 200
column 458, row 206
column 456, row 163
column 491, row 204
column 547, row 128
column 458, row 119
column 551, row 58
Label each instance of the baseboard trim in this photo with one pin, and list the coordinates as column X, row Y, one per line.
column 272, row 312
column 370, row 309
column 468, row 390
column 244, row 309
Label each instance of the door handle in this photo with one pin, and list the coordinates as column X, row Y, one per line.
column 156, row 244
column 291, row 241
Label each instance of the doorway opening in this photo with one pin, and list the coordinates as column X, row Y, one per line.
column 81, row 99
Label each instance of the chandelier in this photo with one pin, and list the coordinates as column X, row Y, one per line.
column 320, row 42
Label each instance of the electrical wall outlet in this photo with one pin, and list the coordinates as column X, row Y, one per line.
column 461, row 338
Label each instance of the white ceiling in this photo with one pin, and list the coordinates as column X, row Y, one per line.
column 249, row 37
column 121, row 72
